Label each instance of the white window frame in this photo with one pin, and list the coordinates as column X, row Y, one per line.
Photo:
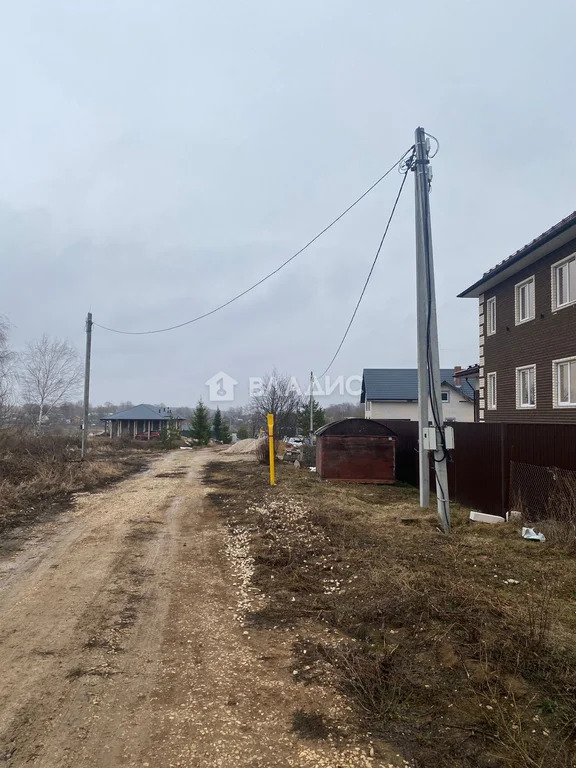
column 556, row 382
column 445, row 394
column 517, row 288
column 556, row 305
column 491, row 316
column 491, row 391
column 519, row 372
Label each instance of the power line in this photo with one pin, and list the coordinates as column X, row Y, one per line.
column 407, row 165
column 270, row 274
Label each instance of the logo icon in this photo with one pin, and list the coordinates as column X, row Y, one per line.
column 221, row 387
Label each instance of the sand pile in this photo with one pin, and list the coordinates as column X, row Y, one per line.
column 243, row 446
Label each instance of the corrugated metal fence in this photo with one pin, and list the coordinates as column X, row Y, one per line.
column 480, row 475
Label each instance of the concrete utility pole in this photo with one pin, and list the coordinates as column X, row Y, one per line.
column 311, row 406
column 86, row 417
column 429, row 383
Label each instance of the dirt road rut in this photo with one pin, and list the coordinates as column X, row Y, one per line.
column 119, row 646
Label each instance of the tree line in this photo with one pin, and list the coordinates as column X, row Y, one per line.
column 279, row 397
column 38, row 387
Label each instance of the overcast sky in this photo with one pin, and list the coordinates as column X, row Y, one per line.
column 158, row 157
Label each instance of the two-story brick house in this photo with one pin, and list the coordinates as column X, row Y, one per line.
column 527, row 313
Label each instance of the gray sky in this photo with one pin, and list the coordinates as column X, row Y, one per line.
column 158, row 157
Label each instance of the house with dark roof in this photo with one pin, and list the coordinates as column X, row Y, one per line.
column 392, row 393
column 142, row 421
column 527, row 318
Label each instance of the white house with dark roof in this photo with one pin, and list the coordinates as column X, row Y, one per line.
column 392, row 393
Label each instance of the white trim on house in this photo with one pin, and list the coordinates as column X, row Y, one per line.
column 481, row 383
column 491, row 316
column 569, row 282
column 491, row 381
column 571, row 364
column 531, row 386
column 531, row 295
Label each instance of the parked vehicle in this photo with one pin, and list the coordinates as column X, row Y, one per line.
column 144, row 435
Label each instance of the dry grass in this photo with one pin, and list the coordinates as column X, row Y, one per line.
column 38, row 474
column 560, row 524
column 461, row 649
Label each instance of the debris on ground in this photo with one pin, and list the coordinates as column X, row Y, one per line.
column 531, row 535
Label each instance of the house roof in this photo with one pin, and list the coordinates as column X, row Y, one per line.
column 142, row 412
column 542, row 245
column 402, row 384
column 470, row 372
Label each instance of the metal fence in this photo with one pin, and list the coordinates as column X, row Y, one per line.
column 488, row 469
column 543, row 492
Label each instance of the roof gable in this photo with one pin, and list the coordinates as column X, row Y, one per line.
column 402, row 384
column 541, row 246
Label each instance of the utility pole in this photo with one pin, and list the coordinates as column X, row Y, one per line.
column 311, row 406
column 421, row 178
column 86, row 419
column 429, row 383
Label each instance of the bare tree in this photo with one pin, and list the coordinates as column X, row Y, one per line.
column 281, row 396
column 49, row 371
column 6, row 374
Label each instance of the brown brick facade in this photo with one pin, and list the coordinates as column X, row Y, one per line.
column 550, row 336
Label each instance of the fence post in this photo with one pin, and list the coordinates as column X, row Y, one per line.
column 504, row 467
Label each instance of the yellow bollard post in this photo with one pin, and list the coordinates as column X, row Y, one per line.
column 271, row 445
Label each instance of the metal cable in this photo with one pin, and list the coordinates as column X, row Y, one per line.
column 408, row 166
column 270, row 274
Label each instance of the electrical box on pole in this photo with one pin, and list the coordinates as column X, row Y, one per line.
column 429, row 439
column 431, row 431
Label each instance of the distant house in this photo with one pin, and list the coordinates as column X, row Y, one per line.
column 527, row 315
column 392, row 393
column 471, row 376
column 146, row 421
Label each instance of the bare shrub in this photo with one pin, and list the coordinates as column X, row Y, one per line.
column 539, row 618
column 507, row 722
column 263, row 452
column 369, row 677
column 546, row 495
column 308, row 456
column 560, row 523
column 36, row 472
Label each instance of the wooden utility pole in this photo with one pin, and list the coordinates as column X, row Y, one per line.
column 429, row 382
column 86, row 416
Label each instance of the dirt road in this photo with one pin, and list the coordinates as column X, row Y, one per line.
column 120, row 643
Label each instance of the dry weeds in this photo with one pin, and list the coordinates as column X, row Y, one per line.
column 460, row 649
column 39, row 474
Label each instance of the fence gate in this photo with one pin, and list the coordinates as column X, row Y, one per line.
column 481, row 466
